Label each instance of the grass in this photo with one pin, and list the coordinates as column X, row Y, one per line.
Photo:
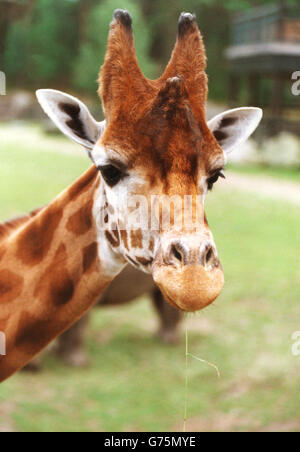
column 34, row 168
column 284, row 173
column 136, row 383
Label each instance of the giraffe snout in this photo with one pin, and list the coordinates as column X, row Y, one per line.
column 188, row 271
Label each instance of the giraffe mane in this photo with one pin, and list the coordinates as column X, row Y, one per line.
column 10, row 226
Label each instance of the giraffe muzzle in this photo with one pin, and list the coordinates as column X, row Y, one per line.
column 190, row 277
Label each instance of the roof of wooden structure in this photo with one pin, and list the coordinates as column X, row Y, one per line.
column 265, row 39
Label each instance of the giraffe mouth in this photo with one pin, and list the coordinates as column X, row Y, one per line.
column 169, row 300
column 191, row 288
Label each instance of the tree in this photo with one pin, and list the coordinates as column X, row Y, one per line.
column 42, row 46
column 11, row 10
column 93, row 48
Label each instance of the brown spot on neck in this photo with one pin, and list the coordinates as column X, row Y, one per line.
column 11, row 286
column 35, row 240
column 89, row 256
column 56, row 286
column 151, row 244
column 81, row 221
column 10, row 226
column 124, row 238
column 136, row 238
column 34, row 334
column 55, row 291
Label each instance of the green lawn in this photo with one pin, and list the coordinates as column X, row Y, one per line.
column 136, row 383
column 33, row 169
column 285, row 173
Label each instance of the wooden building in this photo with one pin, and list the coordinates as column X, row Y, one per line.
column 265, row 45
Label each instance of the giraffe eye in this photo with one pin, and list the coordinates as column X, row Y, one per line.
column 111, row 174
column 214, row 178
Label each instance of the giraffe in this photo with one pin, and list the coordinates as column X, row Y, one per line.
column 155, row 141
column 70, row 347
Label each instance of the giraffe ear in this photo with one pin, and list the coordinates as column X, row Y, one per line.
column 233, row 127
column 71, row 116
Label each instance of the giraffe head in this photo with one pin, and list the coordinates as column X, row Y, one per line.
column 158, row 157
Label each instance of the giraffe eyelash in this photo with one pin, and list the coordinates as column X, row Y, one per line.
column 214, row 178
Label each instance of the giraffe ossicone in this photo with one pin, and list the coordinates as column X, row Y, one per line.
column 155, row 143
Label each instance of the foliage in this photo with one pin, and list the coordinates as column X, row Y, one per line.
column 93, row 47
column 61, row 43
column 40, row 48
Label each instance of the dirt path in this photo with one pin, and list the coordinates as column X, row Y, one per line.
column 264, row 186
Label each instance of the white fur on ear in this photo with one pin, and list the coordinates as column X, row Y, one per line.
column 71, row 116
column 233, row 127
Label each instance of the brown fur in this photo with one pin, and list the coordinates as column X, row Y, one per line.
column 9, row 226
column 10, row 285
column 125, row 288
column 35, row 240
column 114, row 241
column 143, row 261
column 136, row 237
column 151, row 245
column 47, row 283
column 89, row 255
column 55, row 286
column 159, row 128
column 80, row 222
column 162, row 121
column 124, row 238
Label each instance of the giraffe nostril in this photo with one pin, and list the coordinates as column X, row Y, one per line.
column 209, row 256
column 177, row 253
column 180, row 255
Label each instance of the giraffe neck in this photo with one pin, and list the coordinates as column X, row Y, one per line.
column 50, row 273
